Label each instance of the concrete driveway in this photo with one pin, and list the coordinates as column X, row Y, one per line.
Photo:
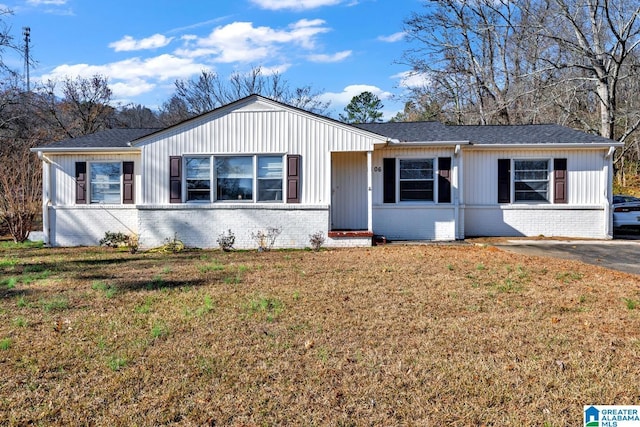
column 618, row 254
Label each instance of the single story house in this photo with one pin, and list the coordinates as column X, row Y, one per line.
column 257, row 163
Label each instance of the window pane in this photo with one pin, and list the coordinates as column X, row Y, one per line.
column 416, row 190
column 269, row 178
column 531, row 180
column 416, row 180
column 416, row 169
column 234, row 178
column 198, row 178
column 105, row 182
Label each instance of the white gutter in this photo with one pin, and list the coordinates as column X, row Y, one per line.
column 88, row 150
column 395, row 142
column 544, row 146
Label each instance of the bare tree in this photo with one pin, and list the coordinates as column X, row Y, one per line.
column 600, row 37
column 210, row 90
column 478, row 55
column 83, row 109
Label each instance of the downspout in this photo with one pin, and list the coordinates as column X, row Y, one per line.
column 457, row 193
column 370, row 191
column 608, row 188
column 46, row 195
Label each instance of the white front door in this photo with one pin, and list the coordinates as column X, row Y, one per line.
column 349, row 191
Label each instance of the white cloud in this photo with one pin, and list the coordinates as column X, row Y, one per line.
column 393, row 38
column 133, row 76
column 344, row 97
column 47, row 2
column 294, row 4
column 412, row 79
column 336, row 57
column 242, row 42
column 128, row 43
column 278, row 69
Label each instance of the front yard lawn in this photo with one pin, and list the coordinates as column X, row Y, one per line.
column 396, row 335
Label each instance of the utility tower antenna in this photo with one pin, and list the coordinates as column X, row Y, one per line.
column 27, row 38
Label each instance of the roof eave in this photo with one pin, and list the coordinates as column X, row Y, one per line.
column 545, row 145
column 395, row 143
column 86, row 150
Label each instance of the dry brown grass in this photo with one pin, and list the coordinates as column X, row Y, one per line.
column 417, row 335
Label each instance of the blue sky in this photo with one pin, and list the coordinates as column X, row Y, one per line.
column 339, row 47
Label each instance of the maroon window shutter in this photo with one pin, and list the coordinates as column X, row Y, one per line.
column 444, row 179
column 128, row 177
column 81, row 183
column 560, row 181
column 293, row 178
column 175, row 179
column 504, row 180
column 389, row 180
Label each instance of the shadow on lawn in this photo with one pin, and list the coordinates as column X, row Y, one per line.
column 157, row 284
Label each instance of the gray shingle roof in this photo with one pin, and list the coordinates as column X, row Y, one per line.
column 480, row 135
column 110, row 138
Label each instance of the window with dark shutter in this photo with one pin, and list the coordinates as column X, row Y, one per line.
column 504, row 180
column 128, row 177
column 560, row 181
column 81, row 183
column 444, row 179
column 293, row 178
column 389, row 180
column 175, row 179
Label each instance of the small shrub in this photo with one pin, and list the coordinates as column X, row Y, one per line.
column 226, row 240
column 117, row 240
column 316, row 240
column 265, row 240
column 114, row 240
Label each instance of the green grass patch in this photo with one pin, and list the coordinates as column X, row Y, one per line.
column 116, row 363
column 8, row 263
column 270, row 307
column 630, row 303
column 207, row 306
column 109, row 290
column 24, row 245
column 58, row 303
column 211, row 267
column 5, row 344
column 159, row 330
column 568, row 276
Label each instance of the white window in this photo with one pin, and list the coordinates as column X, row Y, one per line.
column 198, row 178
column 269, row 178
column 531, row 180
column 104, row 182
column 416, row 180
column 234, row 178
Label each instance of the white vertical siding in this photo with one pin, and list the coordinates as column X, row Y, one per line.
column 405, row 152
column 584, row 167
column 63, row 170
column 254, row 128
